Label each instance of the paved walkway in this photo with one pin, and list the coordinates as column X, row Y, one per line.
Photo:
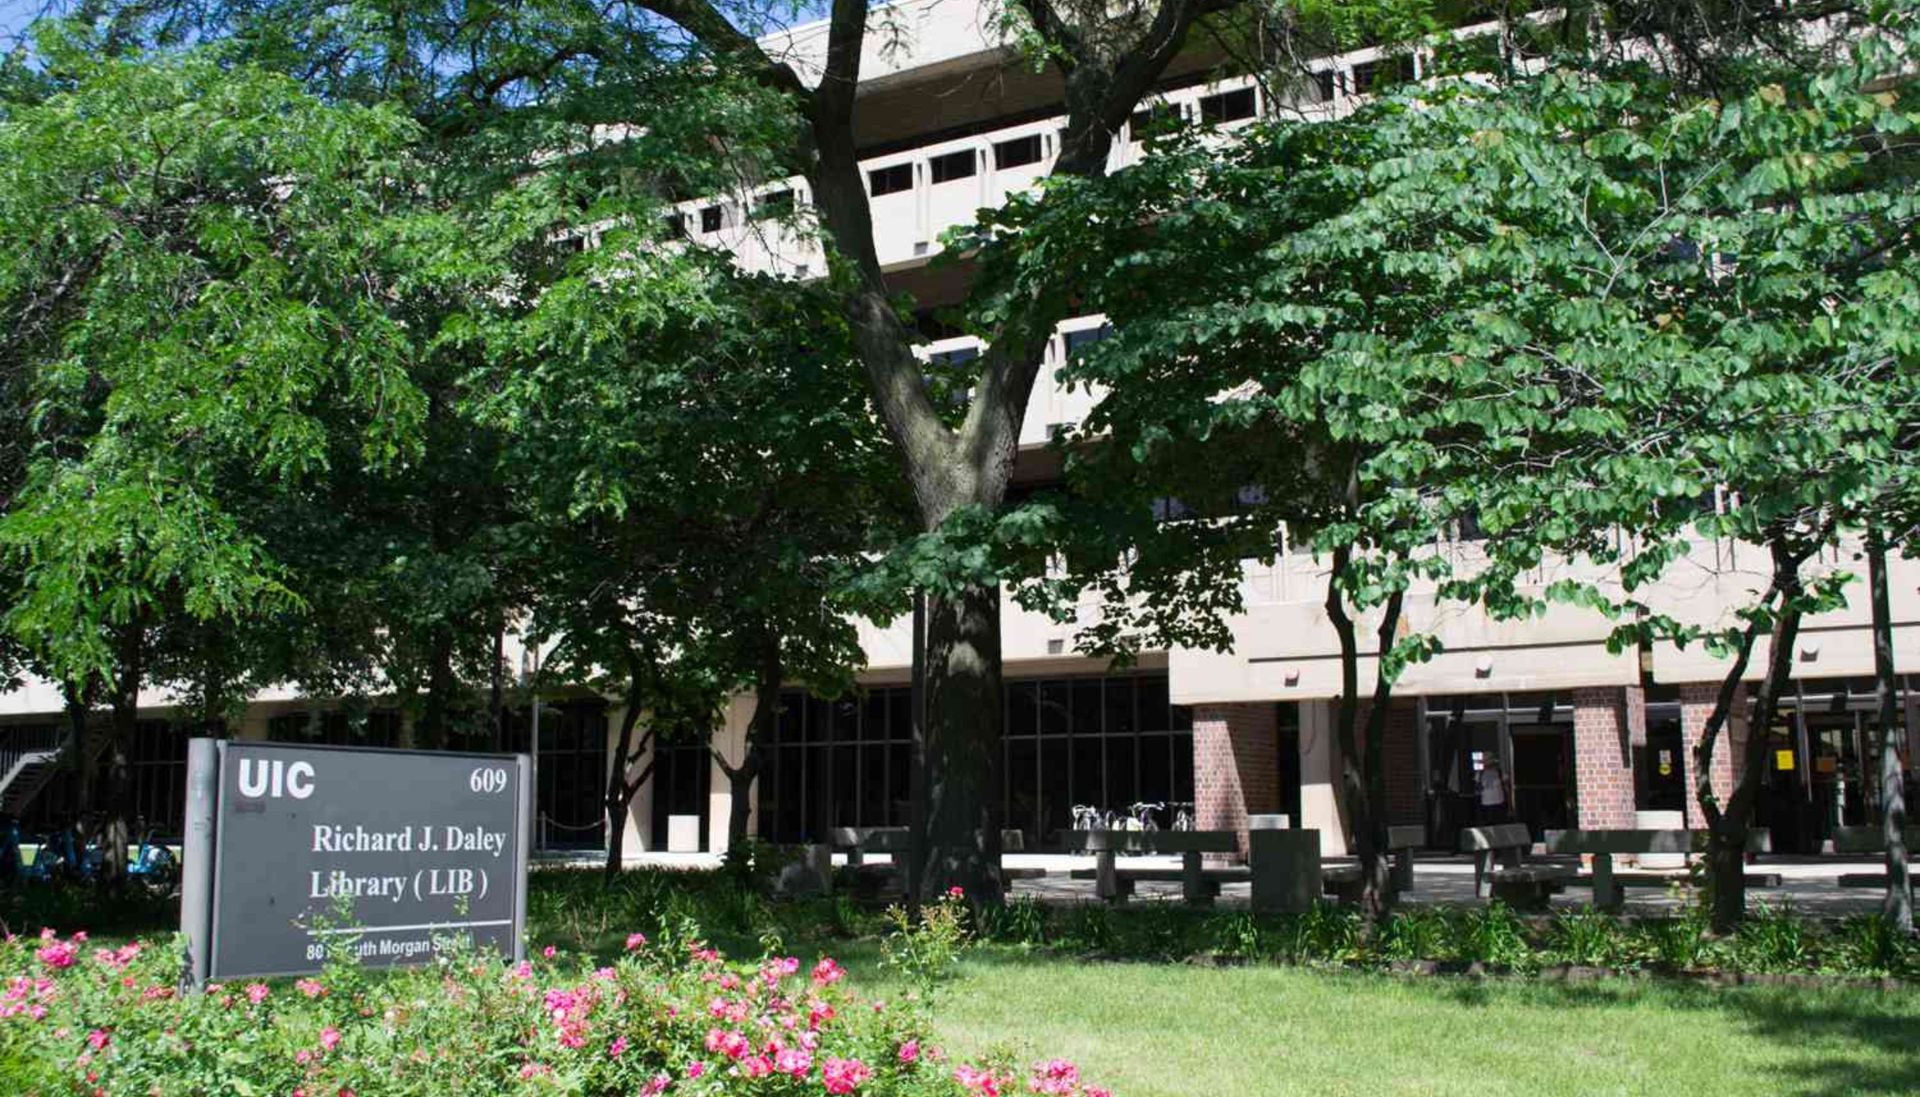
column 1811, row 885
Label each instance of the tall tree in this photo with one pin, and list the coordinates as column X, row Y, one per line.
column 190, row 271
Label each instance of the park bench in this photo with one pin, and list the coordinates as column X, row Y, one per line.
column 1500, row 868
column 1343, row 880
column 1609, row 886
column 1114, row 881
column 871, row 877
column 1868, row 840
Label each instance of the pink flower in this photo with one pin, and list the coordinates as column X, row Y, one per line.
column 309, row 987
column 635, row 940
column 727, row 1042
column 329, row 1038
column 547, row 952
column 826, row 972
column 910, row 1051
column 1054, row 1078
column 257, row 992
column 844, row 1075
column 978, row 1082
column 535, row 1070
column 617, row 1048
column 792, row 1060
column 696, row 1068
column 756, row 1066
column 303, row 1056
column 956, row 892
column 656, row 1085
column 99, row 1038
column 58, row 954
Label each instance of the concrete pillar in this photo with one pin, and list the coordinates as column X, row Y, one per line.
column 1320, row 805
column 1602, row 759
column 1236, row 766
column 1696, row 705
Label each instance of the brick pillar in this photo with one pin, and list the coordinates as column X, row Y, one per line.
column 1400, row 758
column 1696, row 705
column 1602, row 759
column 1236, row 766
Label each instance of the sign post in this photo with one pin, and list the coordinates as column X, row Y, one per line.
column 295, row 853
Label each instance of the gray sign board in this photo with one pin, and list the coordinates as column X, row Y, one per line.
column 392, row 854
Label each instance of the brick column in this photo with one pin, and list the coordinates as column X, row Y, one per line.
column 1236, row 766
column 1400, row 758
column 1696, row 705
column 1602, row 759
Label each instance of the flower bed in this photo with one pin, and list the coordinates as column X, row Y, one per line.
column 671, row 1016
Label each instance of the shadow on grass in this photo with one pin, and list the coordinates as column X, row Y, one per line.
column 1851, row 1040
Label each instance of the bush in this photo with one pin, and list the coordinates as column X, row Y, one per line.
column 668, row 1013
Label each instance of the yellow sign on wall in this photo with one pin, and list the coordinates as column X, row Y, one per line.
column 1783, row 760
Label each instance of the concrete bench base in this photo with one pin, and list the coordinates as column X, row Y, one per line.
column 1870, row 880
column 1663, row 879
column 1529, row 887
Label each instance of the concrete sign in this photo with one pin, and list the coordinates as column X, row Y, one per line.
column 294, row 852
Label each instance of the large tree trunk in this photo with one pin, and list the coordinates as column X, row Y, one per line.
column 1728, row 824
column 964, row 724
column 1898, row 905
column 1362, row 773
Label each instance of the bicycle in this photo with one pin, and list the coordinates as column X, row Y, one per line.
column 154, row 867
column 1183, row 817
column 1143, row 816
column 1086, row 817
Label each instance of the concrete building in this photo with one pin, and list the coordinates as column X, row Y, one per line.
column 951, row 119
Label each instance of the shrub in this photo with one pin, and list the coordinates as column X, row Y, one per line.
column 1494, row 934
column 926, row 948
column 1772, row 939
column 670, row 1013
column 1422, row 933
column 1589, row 938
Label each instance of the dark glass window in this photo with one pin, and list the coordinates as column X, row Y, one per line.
column 1325, row 83
column 954, row 165
column 1076, row 341
column 675, row 225
column 777, row 204
column 1017, row 152
column 1229, row 106
column 891, row 180
column 710, row 219
column 1153, row 119
column 953, row 357
column 1382, row 74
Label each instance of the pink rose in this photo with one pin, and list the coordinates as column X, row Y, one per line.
column 910, row 1051
column 826, row 972
column 635, row 940
column 329, row 1038
column 844, row 1075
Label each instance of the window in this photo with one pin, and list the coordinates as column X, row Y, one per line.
column 891, row 180
column 1325, row 85
column 1229, row 106
column 954, row 165
column 1153, row 119
column 1017, row 152
column 675, row 224
column 1382, row 74
column 710, row 219
column 1076, row 341
column 777, row 204
column 953, row 357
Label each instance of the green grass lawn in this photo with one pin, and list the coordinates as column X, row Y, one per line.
column 1165, row 1030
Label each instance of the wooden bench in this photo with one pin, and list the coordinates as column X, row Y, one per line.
column 1343, row 880
column 1113, row 882
column 1500, row 868
column 1609, row 886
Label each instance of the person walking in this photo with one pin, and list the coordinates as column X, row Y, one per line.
column 1492, row 787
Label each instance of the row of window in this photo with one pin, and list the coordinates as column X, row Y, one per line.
column 1103, row 742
